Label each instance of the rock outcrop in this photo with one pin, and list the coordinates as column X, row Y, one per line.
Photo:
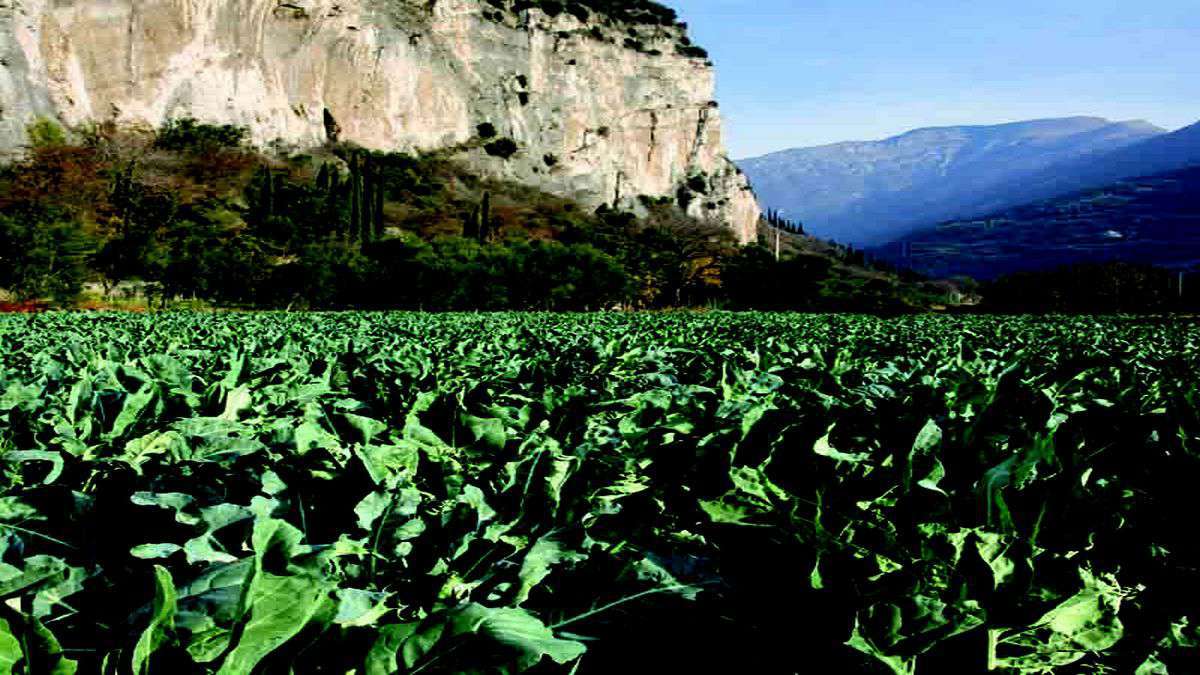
column 600, row 110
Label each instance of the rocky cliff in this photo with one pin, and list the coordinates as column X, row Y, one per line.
column 600, row 108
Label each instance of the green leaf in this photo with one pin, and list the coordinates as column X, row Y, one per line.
column 236, row 401
column 38, row 570
column 176, row 501
column 360, row 608
column 732, row 509
column 371, row 508
column 204, row 549
column 132, row 411
column 279, row 607
column 993, row 549
column 41, row 649
column 421, row 641
column 55, row 459
column 1179, row 649
column 474, row 498
column 390, row 465
column 928, row 439
column 170, row 443
column 366, row 427
column 309, row 436
column 825, row 449
column 79, row 400
column 520, row 631
column 899, row 665
column 542, row 556
column 381, row 659
column 161, row 621
column 1086, row 622
column 754, row 482
column 10, row 649
column 486, row 430
column 151, row 551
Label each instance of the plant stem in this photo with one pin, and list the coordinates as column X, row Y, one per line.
column 611, row 605
column 47, row 537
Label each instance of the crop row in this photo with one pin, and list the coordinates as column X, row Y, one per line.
column 380, row 493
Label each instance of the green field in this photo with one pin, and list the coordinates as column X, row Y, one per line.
column 754, row 493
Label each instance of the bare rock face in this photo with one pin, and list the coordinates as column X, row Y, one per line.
column 595, row 113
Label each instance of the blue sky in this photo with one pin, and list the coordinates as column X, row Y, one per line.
column 806, row 72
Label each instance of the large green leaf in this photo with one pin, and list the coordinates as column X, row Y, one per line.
column 541, row 558
column 1084, row 623
column 278, row 606
column 161, row 621
column 527, row 637
column 10, row 649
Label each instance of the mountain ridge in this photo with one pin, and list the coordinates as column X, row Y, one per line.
column 1163, row 153
column 868, row 192
column 1143, row 220
column 1136, row 122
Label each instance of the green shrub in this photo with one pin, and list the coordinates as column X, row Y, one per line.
column 44, row 132
column 189, row 135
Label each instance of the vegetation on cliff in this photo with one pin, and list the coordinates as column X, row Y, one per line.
column 191, row 212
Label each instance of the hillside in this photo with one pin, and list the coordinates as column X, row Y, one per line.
column 872, row 192
column 110, row 217
column 595, row 101
column 1159, row 154
column 1152, row 220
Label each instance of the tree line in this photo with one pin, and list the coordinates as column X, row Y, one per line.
column 193, row 212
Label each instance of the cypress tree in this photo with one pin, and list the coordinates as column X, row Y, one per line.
column 378, row 210
column 268, row 194
column 332, row 212
column 368, row 199
column 471, row 224
column 323, row 177
column 355, row 194
column 485, row 218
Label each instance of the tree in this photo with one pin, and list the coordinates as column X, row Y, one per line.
column 368, row 200
column 43, row 255
column 44, row 132
column 355, row 196
column 377, row 210
column 680, row 258
column 189, row 135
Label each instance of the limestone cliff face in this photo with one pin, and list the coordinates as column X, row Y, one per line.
column 596, row 113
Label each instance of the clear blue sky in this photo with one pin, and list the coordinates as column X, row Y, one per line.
column 806, row 72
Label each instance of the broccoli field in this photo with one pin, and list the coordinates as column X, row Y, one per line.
column 555, row 493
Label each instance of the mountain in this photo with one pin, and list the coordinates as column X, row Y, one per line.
column 1159, row 154
column 872, row 192
column 595, row 101
column 1153, row 219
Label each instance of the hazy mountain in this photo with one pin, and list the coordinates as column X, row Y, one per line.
column 1154, row 219
column 1160, row 154
column 871, row 192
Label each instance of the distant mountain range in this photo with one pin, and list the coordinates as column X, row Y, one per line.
column 1159, row 154
column 1153, row 219
column 867, row 193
